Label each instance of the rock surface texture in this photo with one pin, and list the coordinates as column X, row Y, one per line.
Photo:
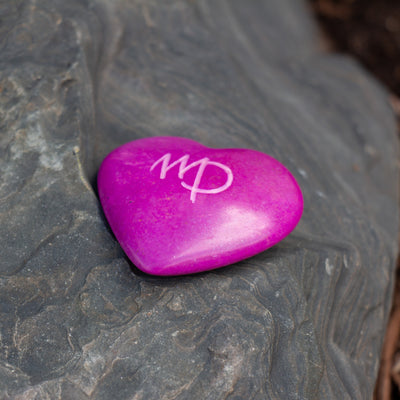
column 302, row 320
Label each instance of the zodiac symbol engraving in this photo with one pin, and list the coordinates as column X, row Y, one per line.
column 183, row 168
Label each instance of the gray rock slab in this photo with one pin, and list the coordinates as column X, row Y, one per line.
column 302, row 320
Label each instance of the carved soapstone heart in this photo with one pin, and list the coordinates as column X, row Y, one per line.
column 178, row 207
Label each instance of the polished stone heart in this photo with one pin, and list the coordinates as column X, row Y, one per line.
column 178, row 207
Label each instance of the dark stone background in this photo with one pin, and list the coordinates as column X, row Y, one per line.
column 303, row 320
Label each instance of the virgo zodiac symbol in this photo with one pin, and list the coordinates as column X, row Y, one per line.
column 183, row 168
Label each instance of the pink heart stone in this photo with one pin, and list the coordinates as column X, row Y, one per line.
column 178, row 207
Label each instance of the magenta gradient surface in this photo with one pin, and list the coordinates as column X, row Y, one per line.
column 178, row 207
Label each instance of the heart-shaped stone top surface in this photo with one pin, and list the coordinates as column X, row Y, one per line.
column 178, row 207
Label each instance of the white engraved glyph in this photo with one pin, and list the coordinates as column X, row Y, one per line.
column 183, row 168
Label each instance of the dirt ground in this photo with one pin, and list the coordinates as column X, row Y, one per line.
column 370, row 31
